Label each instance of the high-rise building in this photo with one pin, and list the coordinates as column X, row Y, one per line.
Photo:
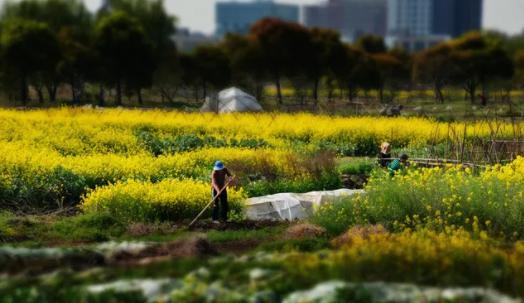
column 352, row 18
column 456, row 17
column 238, row 17
column 410, row 17
column 186, row 41
column 417, row 24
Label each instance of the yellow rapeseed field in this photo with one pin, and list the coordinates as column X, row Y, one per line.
column 73, row 131
column 56, row 156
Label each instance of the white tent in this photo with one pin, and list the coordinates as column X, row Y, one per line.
column 290, row 206
column 232, row 100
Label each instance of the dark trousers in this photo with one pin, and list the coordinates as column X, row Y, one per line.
column 221, row 207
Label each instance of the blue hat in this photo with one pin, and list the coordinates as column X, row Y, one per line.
column 218, row 165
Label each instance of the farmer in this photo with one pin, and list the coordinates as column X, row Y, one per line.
column 218, row 186
column 398, row 164
column 384, row 157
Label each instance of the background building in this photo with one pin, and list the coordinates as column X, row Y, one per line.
column 186, row 40
column 456, row 17
column 417, row 24
column 352, row 18
column 237, row 17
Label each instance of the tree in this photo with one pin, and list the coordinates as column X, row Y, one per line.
column 70, row 21
column 388, row 66
column 434, row 65
column 157, row 24
column 371, row 44
column 76, row 65
column 189, row 73
column 286, row 47
column 519, row 65
column 125, row 53
column 159, row 28
column 382, row 67
column 57, row 14
column 247, row 62
column 212, row 67
column 476, row 62
column 401, row 76
column 350, row 71
column 168, row 77
column 29, row 50
column 328, row 53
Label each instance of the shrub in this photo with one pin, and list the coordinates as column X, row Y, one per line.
column 167, row 200
column 437, row 198
column 426, row 257
column 33, row 188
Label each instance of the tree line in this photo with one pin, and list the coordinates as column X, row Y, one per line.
column 127, row 48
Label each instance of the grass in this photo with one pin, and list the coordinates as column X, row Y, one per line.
column 261, row 235
column 356, row 166
column 42, row 231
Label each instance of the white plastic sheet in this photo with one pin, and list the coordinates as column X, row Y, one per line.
column 291, row 206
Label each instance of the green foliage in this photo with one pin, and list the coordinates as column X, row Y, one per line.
column 476, row 61
column 372, row 44
column 59, row 15
column 286, row 46
column 357, row 166
column 336, row 217
column 436, row 199
column 125, row 52
column 326, row 181
column 519, row 64
column 30, row 50
column 224, row 236
column 294, row 245
column 158, row 25
column 32, row 191
column 87, row 227
column 166, row 145
column 355, row 147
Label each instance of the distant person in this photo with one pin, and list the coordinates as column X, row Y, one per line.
column 384, row 156
column 398, row 164
column 218, row 185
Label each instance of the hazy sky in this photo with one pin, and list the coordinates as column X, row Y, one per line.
column 504, row 15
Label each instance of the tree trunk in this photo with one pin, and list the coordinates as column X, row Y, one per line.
column 438, row 92
column 166, row 96
column 40, row 94
column 484, row 96
column 259, row 89
column 139, row 96
column 74, row 96
column 351, row 93
column 279, row 90
column 195, row 93
column 118, row 93
column 330, row 94
column 381, row 94
column 77, row 90
column 23, row 90
column 204, row 90
column 471, row 89
column 101, row 96
column 315, row 90
column 51, row 91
